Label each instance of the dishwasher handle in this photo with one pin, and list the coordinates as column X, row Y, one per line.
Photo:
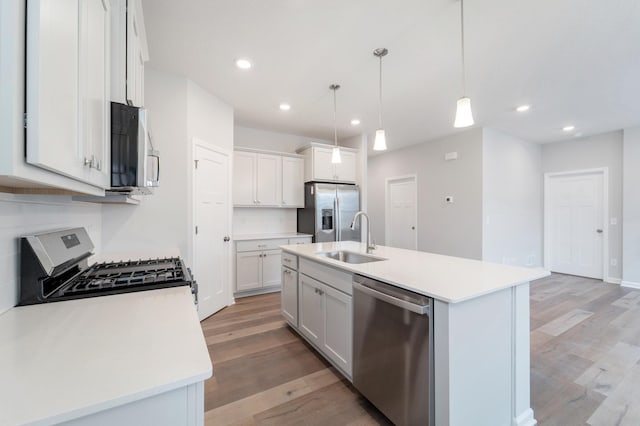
column 421, row 309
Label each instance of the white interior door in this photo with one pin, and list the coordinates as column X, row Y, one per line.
column 576, row 224
column 401, row 213
column 212, row 220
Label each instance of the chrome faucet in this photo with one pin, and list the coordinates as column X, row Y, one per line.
column 370, row 245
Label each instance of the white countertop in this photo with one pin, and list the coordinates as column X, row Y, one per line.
column 64, row 360
column 247, row 237
column 446, row 278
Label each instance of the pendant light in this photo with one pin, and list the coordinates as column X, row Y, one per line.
column 380, row 143
column 464, row 117
column 335, row 153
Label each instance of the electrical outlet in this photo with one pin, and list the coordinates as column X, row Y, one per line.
column 614, row 262
column 614, row 221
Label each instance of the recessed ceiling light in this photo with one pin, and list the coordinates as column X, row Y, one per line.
column 568, row 128
column 285, row 107
column 523, row 108
column 243, row 64
column 355, row 122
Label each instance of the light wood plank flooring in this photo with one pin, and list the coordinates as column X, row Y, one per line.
column 585, row 344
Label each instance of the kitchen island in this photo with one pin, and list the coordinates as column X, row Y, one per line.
column 136, row 358
column 480, row 323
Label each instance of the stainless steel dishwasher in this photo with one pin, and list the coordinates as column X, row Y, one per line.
column 393, row 350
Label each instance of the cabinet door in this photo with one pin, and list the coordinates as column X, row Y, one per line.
column 271, row 261
column 52, row 87
column 346, row 170
column 135, row 59
column 311, row 309
column 248, row 270
column 94, row 88
column 292, row 182
column 268, row 179
column 338, row 332
column 289, row 296
column 244, row 178
column 323, row 169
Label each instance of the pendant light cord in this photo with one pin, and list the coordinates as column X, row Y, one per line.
column 464, row 79
column 335, row 119
column 380, row 96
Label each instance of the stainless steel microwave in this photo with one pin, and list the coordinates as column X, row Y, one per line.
column 135, row 165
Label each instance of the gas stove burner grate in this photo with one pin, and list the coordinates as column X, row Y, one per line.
column 129, row 274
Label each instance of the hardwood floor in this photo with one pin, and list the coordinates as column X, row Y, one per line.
column 585, row 344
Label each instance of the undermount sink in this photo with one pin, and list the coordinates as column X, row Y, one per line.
column 350, row 257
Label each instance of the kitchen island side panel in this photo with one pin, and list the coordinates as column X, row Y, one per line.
column 481, row 360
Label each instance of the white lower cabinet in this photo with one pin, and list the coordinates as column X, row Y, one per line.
column 325, row 319
column 289, row 295
column 257, row 269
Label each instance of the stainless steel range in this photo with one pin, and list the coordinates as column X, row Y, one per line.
column 54, row 267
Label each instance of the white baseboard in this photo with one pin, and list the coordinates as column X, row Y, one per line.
column 630, row 284
column 613, row 280
column 525, row 419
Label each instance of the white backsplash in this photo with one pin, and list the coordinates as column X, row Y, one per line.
column 251, row 220
column 27, row 214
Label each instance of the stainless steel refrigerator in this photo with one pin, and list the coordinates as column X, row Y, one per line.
column 328, row 211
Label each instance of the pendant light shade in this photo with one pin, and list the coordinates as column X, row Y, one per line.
column 335, row 153
column 380, row 142
column 464, row 116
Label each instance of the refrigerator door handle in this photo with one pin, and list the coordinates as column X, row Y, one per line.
column 336, row 218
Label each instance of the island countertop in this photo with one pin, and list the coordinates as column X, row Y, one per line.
column 64, row 360
column 446, row 278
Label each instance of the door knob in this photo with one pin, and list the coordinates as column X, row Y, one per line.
column 599, row 231
column 226, row 238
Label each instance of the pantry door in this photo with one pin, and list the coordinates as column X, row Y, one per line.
column 212, row 227
column 575, row 223
column 401, row 213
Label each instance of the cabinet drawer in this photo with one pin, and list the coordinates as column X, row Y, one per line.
column 300, row 240
column 255, row 245
column 333, row 277
column 289, row 260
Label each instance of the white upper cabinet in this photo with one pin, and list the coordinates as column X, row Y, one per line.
column 67, row 88
column 318, row 165
column 268, row 180
column 244, row 178
column 346, row 170
column 95, row 128
column 263, row 179
column 292, row 182
column 129, row 52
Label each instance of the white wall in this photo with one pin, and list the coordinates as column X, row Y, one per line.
column 597, row 151
column 451, row 229
column 161, row 219
column 631, row 208
column 248, row 220
column 274, row 141
column 511, row 200
column 28, row 214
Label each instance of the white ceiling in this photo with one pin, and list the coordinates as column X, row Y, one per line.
column 575, row 61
